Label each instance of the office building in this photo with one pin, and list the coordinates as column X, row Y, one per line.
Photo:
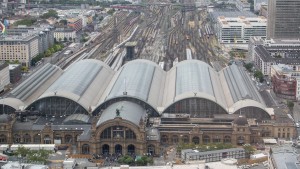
column 22, row 48
column 239, row 29
column 24, row 43
column 283, row 19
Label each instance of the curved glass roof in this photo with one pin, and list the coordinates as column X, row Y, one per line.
column 92, row 84
column 128, row 110
column 193, row 77
column 12, row 102
column 140, row 79
column 36, row 84
column 135, row 80
column 78, row 78
column 84, row 82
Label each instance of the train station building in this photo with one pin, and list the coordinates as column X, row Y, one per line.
column 138, row 109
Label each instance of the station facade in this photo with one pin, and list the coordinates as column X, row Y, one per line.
column 138, row 109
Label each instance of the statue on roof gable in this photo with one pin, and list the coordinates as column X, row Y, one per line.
column 117, row 113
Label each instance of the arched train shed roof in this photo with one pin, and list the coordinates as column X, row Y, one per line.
column 193, row 78
column 84, row 83
column 140, row 79
column 93, row 84
column 17, row 104
column 36, row 84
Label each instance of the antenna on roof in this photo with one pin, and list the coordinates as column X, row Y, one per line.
column 125, row 90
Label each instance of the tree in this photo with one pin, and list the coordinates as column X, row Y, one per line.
column 65, row 39
column 249, row 66
column 27, row 22
column 24, row 69
column 63, row 22
column 290, row 105
column 70, row 39
column 249, row 150
column 47, row 53
column 22, row 151
column 50, row 13
column 259, row 75
column 52, row 50
column 111, row 12
column 126, row 160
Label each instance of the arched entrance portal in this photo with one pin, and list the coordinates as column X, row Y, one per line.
column 105, row 149
column 130, row 149
column 118, row 149
column 151, row 149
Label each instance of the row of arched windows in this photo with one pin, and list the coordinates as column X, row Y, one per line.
column 196, row 140
column 26, row 138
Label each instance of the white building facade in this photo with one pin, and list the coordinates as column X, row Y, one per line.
column 62, row 34
column 240, row 29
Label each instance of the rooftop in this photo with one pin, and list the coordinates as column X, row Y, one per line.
column 285, row 156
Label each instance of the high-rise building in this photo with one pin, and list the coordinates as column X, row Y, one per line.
column 283, row 19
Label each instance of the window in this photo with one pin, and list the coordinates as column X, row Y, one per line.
column 106, row 133
column 206, row 139
column 2, row 138
column 27, row 138
column 130, row 134
column 17, row 138
column 164, row 139
column 196, row 140
column 227, row 139
column 175, row 139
